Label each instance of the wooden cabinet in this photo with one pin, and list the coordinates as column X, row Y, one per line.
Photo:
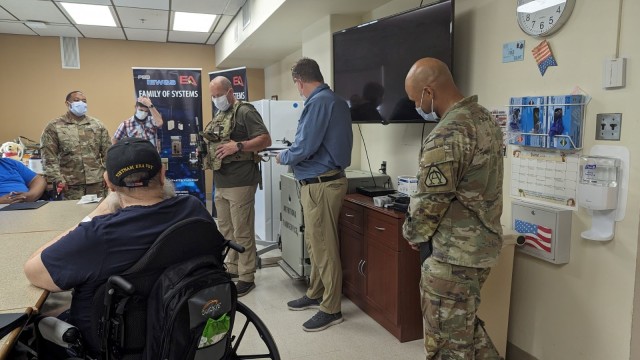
column 381, row 273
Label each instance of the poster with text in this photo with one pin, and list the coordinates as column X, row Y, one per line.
column 238, row 78
column 177, row 95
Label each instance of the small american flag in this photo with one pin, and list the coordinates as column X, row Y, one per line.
column 535, row 236
column 544, row 57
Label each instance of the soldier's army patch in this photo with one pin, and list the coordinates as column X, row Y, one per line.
column 435, row 177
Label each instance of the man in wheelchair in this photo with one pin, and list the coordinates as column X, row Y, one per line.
column 141, row 205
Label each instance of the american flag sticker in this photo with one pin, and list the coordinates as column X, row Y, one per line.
column 536, row 236
column 544, row 57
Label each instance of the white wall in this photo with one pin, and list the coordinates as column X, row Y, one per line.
column 582, row 310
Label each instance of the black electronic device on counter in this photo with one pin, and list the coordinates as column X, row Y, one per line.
column 373, row 191
column 400, row 198
column 398, row 207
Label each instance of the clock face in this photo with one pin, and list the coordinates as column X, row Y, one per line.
column 543, row 17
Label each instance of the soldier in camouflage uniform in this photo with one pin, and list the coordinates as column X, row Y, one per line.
column 454, row 218
column 74, row 147
column 233, row 137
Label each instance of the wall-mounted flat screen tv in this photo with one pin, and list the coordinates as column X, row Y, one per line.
column 371, row 60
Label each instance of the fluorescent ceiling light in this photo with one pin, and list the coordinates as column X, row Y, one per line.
column 84, row 14
column 183, row 21
column 537, row 5
column 36, row 24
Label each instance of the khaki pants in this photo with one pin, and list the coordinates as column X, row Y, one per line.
column 236, row 221
column 321, row 204
column 75, row 192
column 450, row 299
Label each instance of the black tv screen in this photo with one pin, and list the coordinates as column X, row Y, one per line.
column 371, row 60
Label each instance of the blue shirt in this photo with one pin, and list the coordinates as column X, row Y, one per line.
column 14, row 176
column 108, row 245
column 324, row 137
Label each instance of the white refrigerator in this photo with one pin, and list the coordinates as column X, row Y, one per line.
column 281, row 118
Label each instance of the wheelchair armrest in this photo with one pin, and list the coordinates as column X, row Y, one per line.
column 59, row 332
column 234, row 245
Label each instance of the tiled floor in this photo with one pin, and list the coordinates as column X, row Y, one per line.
column 358, row 337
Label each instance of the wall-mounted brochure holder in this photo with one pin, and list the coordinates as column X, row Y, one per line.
column 544, row 232
column 549, row 122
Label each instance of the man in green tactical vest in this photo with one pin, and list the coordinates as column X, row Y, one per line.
column 234, row 137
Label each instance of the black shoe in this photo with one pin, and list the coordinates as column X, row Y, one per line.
column 244, row 287
column 321, row 320
column 304, row 303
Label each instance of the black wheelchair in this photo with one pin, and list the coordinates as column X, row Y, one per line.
column 126, row 317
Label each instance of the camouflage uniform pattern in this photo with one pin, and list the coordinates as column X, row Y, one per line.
column 458, row 207
column 450, row 299
column 74, row 152
column 459, row 199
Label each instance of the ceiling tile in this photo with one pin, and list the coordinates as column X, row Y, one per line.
column 233, row 7
column 144, row 4
column 15, row 28
column 58, row 30
column 101, row 32
column 222, row 24
column 5, row 15
column 199, row 6
column 214, row 38
column 146, row 35
column 153, row 19
column 188, row 37
column 35, row 10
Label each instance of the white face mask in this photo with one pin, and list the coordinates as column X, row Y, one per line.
column 78, row 108
column 221, row 102
column 141, row 114
column 432, row 116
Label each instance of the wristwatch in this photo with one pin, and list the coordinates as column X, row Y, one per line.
column 240, row 145
column 151, row 106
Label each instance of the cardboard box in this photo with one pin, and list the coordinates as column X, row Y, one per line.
column 565, row 117
column 407, row 184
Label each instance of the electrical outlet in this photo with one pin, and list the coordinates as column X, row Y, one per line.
column 608, row 126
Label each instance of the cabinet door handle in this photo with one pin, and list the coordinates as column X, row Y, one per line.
column 359, row 267
column 362, row 267
column 380, row 228
column 349, row 215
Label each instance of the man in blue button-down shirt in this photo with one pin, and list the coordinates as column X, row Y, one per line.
column 319, row 155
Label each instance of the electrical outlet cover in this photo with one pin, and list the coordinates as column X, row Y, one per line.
column 608, row 126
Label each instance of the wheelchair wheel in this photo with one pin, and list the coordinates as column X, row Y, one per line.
column 262, row 346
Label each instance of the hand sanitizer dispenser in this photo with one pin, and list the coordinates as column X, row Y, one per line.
column 598, row 192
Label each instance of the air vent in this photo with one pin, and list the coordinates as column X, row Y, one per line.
column 69, row 53
column 246, row 15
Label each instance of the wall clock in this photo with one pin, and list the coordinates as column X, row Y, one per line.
column 541, row 18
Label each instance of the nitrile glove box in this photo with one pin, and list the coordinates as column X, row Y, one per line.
column 564, row 114
column 407, row 184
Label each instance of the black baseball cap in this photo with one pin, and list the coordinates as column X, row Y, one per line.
column 131, row 156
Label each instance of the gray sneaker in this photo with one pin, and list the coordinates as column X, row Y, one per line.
column 304, row 303
column 321, row 320
column 244, row 287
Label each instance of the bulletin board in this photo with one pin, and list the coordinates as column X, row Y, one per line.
column 544, row 177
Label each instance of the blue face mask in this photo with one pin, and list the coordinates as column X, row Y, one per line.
column 78, row 108
column 432, row 116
